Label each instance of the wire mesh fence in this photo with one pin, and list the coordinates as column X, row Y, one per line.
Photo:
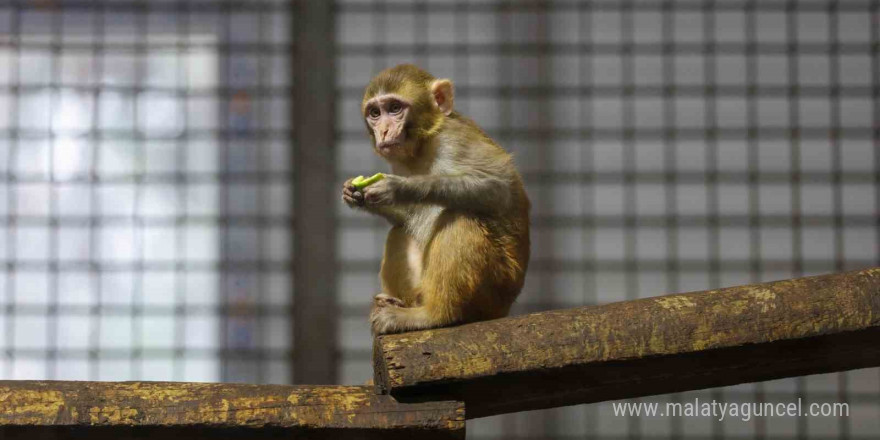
column 145, row 173
column 666, row 146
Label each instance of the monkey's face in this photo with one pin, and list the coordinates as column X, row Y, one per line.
column 387, row 116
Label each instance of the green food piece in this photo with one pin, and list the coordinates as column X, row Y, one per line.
column 361, row 183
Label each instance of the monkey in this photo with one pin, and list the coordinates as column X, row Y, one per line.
column 458, row 247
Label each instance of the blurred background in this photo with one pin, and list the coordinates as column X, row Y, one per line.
column 151, row 152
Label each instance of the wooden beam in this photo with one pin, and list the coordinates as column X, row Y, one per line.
column 38, row 409
column 638, row 348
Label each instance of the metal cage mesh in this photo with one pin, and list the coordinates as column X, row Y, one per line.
column 145, row 178
column 669, row 146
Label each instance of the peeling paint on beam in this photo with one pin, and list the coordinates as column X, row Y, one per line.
column 183, row 410
column 638, row 348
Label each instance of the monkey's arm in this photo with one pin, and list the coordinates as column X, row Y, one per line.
column 474, row 191
column 397, row 215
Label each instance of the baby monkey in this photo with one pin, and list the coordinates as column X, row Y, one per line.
column 458, row 247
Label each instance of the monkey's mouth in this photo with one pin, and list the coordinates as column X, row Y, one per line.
column 386, row 147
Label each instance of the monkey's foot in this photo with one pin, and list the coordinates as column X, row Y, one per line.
column 383, row 317
column 382, row 320
column 385, row 300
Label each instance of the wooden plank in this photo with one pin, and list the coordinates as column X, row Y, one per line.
column 34, row 409
column 639, row 348
column 316, row 194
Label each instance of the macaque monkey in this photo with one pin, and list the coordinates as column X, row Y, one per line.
column 458, row 247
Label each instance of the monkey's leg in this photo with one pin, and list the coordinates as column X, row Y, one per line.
column 401, row 266
column 462, row 281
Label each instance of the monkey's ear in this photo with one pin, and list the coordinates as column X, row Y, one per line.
column 444, row 95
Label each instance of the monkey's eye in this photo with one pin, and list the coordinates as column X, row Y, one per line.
column 374, row 112
column 395, row 107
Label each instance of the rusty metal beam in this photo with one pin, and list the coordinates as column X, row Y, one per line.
column 639, row 348
column 49, row 409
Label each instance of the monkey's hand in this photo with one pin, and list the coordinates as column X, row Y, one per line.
column 383, row 317
column 384, row 192
column 352, row 196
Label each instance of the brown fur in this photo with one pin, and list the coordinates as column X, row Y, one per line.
column 458, row 249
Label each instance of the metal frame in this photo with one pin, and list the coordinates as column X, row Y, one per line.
column 316, row 195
